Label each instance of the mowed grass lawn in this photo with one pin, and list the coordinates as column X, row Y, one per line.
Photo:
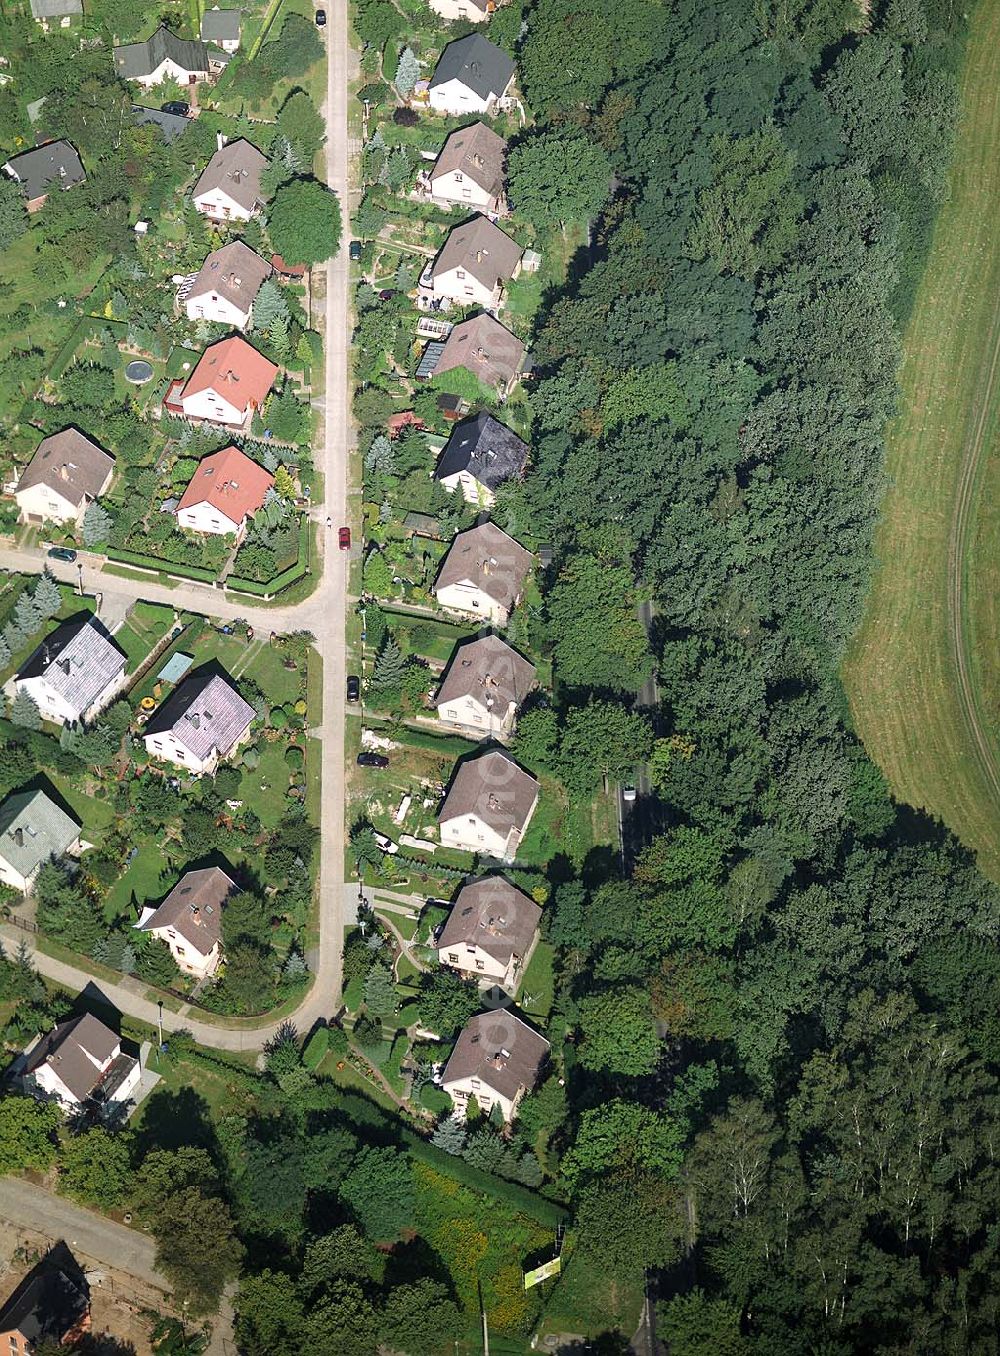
column 903, row 674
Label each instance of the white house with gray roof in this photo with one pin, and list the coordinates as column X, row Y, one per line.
column 56, row 13
column 474, row 263
column 471, row 76
column 164, row 56
column 33, row 830
column 81, row 1062
column 204, row 721
column 190, row 919
column 74, row 673
column 479, row 456
column 229, row 188
column 227, row 285
column 222, row 26
column 67, row 472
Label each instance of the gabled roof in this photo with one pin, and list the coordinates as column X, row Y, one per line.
column 478, row 63
column 56, row 164
column 485, row 348
column 480, row 248
column 70, row 463
column 236, row 169
column 501, row 1051
column 194, row 908
column 76, row 1052
column 32, row 829
column 221, row 25
column 494, row 789
column 234, row 370
column 487, row 449
column 55, row 9
column 203, row 714
column 489, row 670
column 170, row 124
column 137, row 59
column 493, row 915
column 486, row 557
column 78, row 661
column 235, row 272
column 230, row 482
column 50, row 1302
column 477, row 153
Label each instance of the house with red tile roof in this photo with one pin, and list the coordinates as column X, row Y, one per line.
column 231, row 381
column 223, row 493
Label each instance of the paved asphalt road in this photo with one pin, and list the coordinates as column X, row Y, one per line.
column 323, row 613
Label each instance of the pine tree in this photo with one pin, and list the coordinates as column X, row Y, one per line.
column 26, row 615
column 387, row 673
column 380, row 456
column 278, row 334
column 4, row 653
column 284, row 485
column 96, row 525
column 295, row 966
column 47, row 597
column 270, row 304
column 24, row 711
column 407, row 72
column 404, row 277
column 450, row 1136
column 13, row 636
column 385, row 511
column 128, row 959
column 381, row 999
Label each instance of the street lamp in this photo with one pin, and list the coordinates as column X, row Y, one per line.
column 79, row 577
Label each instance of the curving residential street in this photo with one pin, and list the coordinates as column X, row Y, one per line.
column 323, row 613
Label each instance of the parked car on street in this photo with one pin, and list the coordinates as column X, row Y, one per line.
column 372, row 760
column 62, row 553
column 177, row 107
column 344, row 538
column 354, row 249
column 321, row 18
column 353, row 687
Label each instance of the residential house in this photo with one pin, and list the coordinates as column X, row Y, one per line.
column 227, row 285
column 474, row 263
column 489, row 806
column 491, row 931
column 81, row 1063
column 202, row 722
column 472, row 74
column 483, row 574
column 164, row 56
column 229, row 188
column 67, row 472
column 33, row 830
column 479, row 456
column 225, row 490
column 485, row 684
column 50, row 1305
column 74, row 673
column 53, row 165
column 222, row 27
column 455, row 11
column 496, row 1059
column 485, row 348
column 169, row 125
column 230, row 382
column 56, row 13
column 470, row 169
column 190, row 920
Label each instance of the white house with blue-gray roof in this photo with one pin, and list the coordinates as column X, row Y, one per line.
column 74, row 673
column 33, row 830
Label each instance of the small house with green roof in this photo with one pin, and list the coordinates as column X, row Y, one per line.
column 33, row 830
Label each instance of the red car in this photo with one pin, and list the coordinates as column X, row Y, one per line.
column 344, row 538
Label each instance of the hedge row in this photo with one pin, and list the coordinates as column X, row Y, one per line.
column 161, row 566
column 280, row 581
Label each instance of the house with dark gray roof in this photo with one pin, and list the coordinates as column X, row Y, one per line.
column 33, row 830
column 484, row 574
column 485, row 683
column 222, row 27
column 473, row 264
column 74, row 673
column 470, row 169
column 190, row 919
column 203, row 721
column 51, row 1304
column 163, row 56
column 227, row 285
column 496, row 1059
column 479, row 456
column 67, row 472
column 489, row 806
column 471, row 76
column 485, row 348
column 56, row 13
column 491, row 931
column 170, row 125
column 54, row 165
column 81, row 1063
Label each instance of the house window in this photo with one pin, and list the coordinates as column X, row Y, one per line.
column 459, row 272
column 466, row 192
column 480, row 965
column 458, row 178
column 453, row 957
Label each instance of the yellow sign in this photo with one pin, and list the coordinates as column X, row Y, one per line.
column 542, row 1273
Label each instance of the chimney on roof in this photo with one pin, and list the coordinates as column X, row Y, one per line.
column 64, row 472
column 19, row 837
column 65, row 665
column 220, row 140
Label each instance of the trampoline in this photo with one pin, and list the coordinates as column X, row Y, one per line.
column 138, row 371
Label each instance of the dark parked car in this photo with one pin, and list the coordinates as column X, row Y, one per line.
column 353, row 687
column 372, row 760
column 320, row 18
column 176, row 107
column 354, row 249
column 62, row 553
